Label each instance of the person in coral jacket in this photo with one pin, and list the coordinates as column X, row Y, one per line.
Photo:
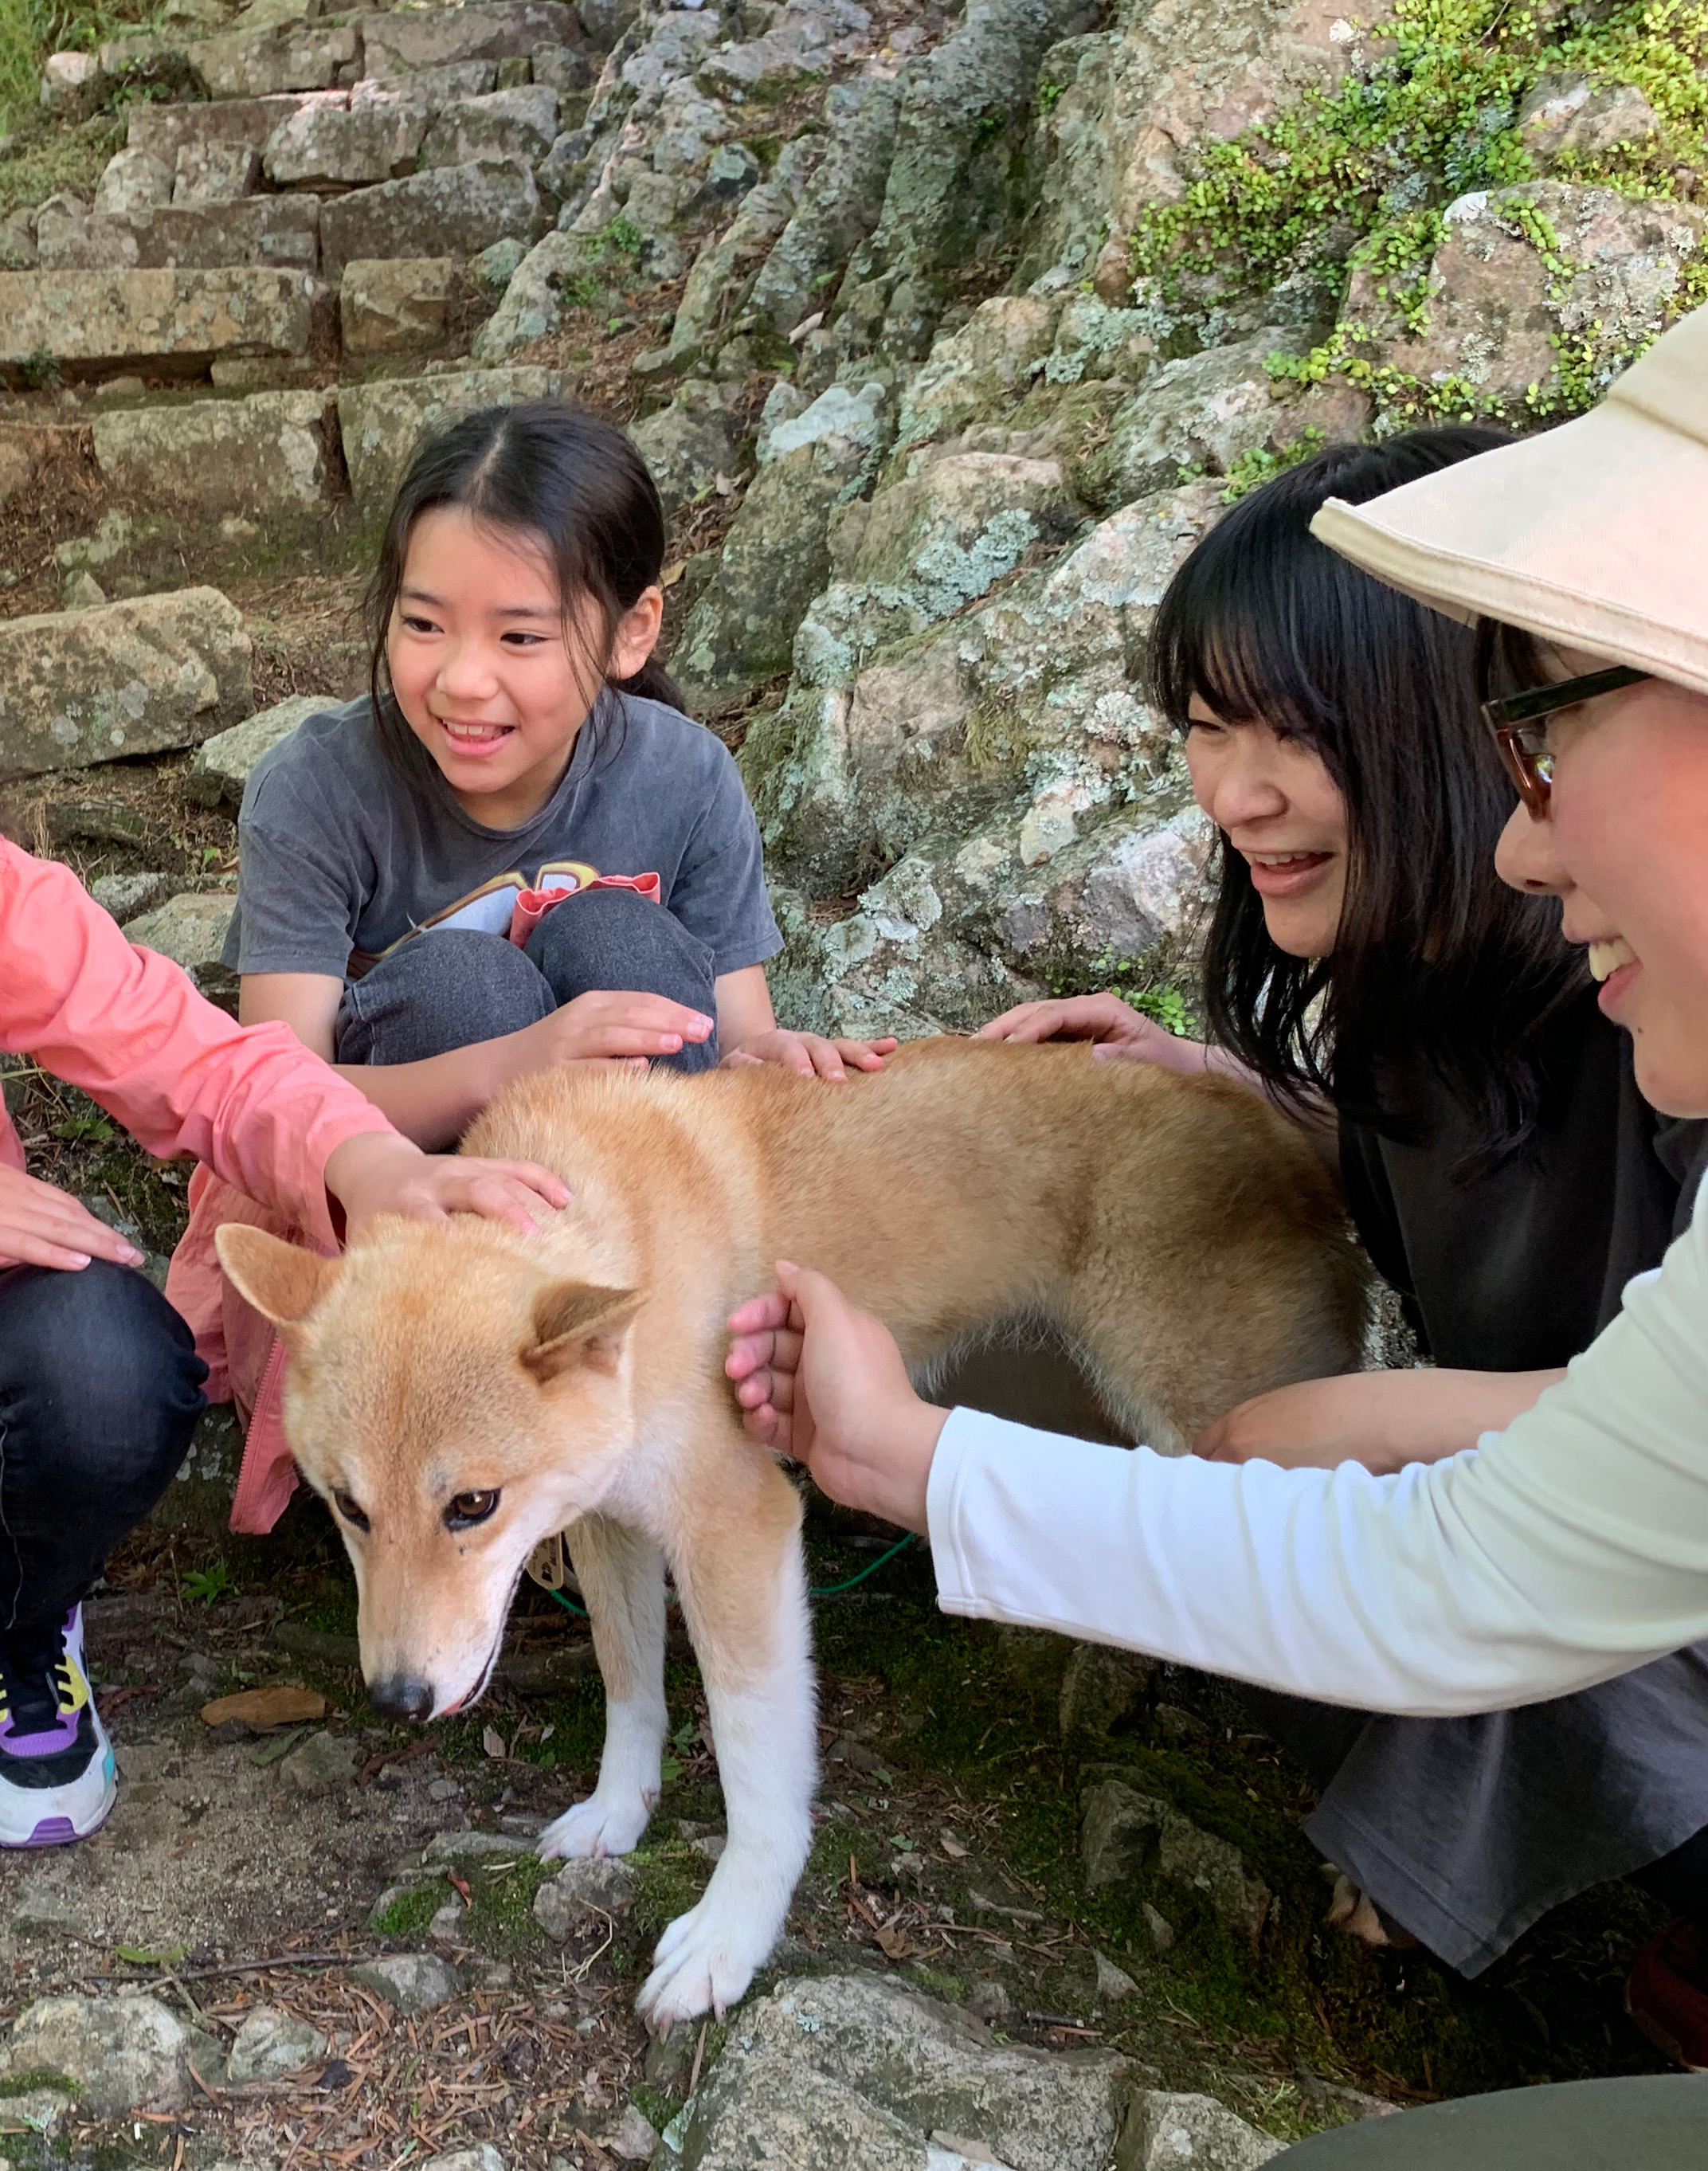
column 100, row 1383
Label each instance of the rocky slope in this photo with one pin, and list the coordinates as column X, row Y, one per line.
column 946, row 328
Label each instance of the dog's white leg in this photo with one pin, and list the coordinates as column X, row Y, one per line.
column 622, row 1578
column 764, row 1730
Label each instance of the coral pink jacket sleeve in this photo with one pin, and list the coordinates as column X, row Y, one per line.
column 129, row 1028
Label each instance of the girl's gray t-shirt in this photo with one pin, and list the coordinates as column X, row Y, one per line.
column 343, row 853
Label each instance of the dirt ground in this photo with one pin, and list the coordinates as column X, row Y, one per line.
column 947, row 1854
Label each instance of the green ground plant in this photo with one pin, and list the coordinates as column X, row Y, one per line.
column 31, row 29
column 1354, row 180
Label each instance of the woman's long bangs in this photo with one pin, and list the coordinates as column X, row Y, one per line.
column 1435, row 962
column 1241, row 628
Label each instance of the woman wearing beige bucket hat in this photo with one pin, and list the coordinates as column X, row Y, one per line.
column 1574, row 1545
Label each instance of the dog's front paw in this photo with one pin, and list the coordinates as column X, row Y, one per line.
column 604, row 1823
column 704, row 1960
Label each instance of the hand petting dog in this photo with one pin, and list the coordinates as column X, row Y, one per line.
column 822, row 1382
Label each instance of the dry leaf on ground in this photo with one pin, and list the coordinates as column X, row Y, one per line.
column 265, row 1708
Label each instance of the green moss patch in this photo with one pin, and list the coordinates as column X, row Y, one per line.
column 1355, row 178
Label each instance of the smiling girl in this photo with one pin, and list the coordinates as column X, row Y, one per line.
column 516, row 731
column 517, row 734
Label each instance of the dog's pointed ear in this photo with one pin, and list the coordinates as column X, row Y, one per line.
column 577, row 1324
column 283, row 1282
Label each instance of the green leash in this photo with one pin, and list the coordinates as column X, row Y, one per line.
column 831, row 1591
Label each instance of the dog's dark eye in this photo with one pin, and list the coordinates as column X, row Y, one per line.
column 347, row 1508
column 470, row 1508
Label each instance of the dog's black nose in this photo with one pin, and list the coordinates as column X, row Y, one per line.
column 401, row 1696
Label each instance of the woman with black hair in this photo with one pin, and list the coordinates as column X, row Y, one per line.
column 1366, row 969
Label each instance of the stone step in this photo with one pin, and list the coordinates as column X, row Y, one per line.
column 370, row 139
column 79, row 686
column 383, row 424
column 168, row 323
column 492, row 30
column 282, row 231
column 163, row 131
column 452, row 211
column 266, row 62
column 244, row 64
column 267, row 457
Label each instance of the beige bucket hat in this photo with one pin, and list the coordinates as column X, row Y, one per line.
column 1594, row 535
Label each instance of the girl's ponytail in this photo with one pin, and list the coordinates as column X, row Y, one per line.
column 564, row 477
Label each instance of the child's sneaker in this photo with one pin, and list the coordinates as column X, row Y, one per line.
column 57, row 1780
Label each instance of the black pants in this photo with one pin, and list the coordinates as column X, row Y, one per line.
column 453, row 988
column 1465, row 1831
column 100, row 1387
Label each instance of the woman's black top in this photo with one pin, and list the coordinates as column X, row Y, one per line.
column 1518, row 1268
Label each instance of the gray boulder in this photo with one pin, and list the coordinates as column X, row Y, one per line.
column 1203, row 412
column 190, row 930
column 688, row 444
column 838, row 206
column 851, row 2069
column 124, row 896
column 978, row 367
column 346, row 147
column 1168, row 2132
column 1127, row 1834
column 532, row 295
column 166, row 130
column 263, row 457
column 1004, row 768
column 384, row 424
column 132, row 180
column 434, row 86
column 394, row 305
column 959, row 126
column 562, row 69
column 1101, row 1686
column 127, row 678
column 518, row 124
column 776, row 557
column 270, row 2044
column 1571, row 116
column 412, row 1982
column 581, row 1892
column 493, row 269
column 944, row 534
column 122, row 2053
column 453, row 210
column 214, row 173
column 722, row 280
column 66, row 78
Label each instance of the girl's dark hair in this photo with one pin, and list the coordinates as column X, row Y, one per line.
column 1436, row 961
column 550, row 472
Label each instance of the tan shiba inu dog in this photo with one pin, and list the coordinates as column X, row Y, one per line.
column 458, row 1394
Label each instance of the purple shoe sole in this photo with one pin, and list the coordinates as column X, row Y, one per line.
column 52, row 1832
column 56, row 1831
